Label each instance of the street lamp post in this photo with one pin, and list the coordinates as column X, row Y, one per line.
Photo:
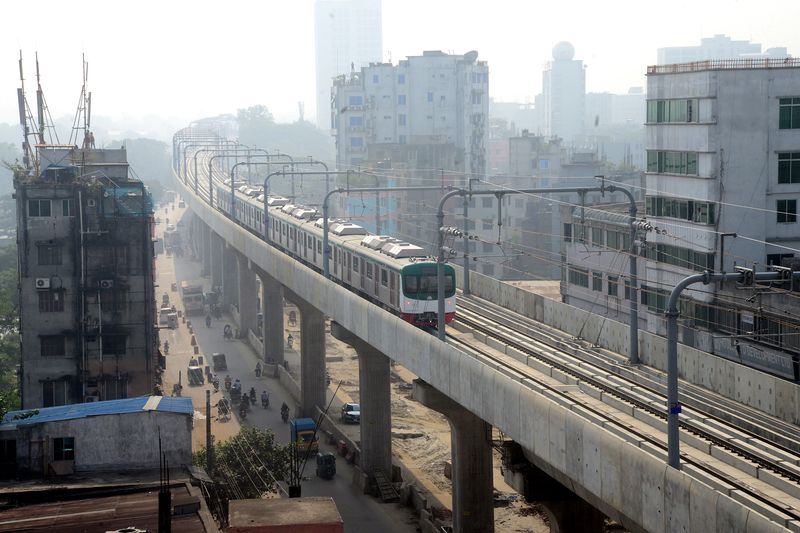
column 744, row 276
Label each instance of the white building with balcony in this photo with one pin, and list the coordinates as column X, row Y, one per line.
column 723, row 183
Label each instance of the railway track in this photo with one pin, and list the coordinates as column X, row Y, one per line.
column 541, row 349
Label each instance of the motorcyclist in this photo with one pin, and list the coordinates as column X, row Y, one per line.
column 289, row 341
column 284, row 412
column 253, row 395
column 258, row 369
column 265, row 399
column 227, row 332
column 208, row 321
column 166, row 347
column 215, row 381
column 237, row 385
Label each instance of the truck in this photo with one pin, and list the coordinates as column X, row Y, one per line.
column 303, row 436
column 192, row 297
column 172, row 240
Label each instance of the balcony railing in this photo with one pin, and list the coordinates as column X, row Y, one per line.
column 725, row 64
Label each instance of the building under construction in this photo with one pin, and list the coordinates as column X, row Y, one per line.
column 86, row 271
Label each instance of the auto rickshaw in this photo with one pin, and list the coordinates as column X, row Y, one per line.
column 326, row 465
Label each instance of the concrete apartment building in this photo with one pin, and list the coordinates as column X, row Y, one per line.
column 723, row 158
column 86, row 268
column 435, row 98
column 348, row 36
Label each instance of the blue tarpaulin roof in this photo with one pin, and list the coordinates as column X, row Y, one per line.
column 110, row 407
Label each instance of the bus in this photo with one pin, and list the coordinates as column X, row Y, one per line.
column 192, row 297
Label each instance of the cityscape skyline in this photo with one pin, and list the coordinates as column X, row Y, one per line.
column 616, row 50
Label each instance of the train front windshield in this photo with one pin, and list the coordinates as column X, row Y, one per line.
column 423, row 286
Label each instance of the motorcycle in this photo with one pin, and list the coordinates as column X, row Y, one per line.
column 227, row 332
column 216, row 384
column 208, row 321
column 228, row 383
column 253, row 395
column 258, row 370
column 265, row 400
column 166, row 347
column 243, row 411
column 285, row 414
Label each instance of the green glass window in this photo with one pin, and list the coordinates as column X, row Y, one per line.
column 789, row 113
column 787, row 211
column 789, row 167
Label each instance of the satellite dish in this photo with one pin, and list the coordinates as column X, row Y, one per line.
column 471, row 56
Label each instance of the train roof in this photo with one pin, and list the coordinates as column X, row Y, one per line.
column 379, row 248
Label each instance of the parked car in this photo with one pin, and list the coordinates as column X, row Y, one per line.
column 351, row 413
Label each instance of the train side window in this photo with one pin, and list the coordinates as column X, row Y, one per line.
column 284, row 229
column 355, row 264
column 384, row 277
column 369, row 270
column 319, row 247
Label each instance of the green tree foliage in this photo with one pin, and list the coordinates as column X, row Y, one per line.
column 9, row 330
column 249, row 463
column 257, row 127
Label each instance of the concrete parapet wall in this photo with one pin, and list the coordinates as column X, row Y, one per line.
column 752, row 387
column 622, row 480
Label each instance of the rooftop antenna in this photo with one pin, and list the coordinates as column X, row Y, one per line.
column 43, row 111
column 39, row 101
column 82, row 123
column 26, row 121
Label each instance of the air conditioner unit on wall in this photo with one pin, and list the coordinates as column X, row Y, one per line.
column 106, row 283
column 42, row 283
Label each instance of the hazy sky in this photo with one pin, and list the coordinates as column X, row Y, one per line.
column 187, row 60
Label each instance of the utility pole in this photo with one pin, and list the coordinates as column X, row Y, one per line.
column 209, row 448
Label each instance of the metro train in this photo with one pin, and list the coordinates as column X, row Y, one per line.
column 398, row 276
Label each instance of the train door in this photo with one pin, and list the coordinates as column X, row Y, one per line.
column 393, row 289
column 377, row 281
column 363, row 273
column 349, row 266
column 313, row 245
column 335, row 261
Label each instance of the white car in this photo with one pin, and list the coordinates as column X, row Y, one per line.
column 351, row 413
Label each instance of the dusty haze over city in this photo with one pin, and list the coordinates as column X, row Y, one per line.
column 185, row 60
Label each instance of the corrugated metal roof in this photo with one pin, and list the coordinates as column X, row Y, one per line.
column 110, row 407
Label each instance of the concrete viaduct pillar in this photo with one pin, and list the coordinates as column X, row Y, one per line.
column 272, row 313
column 565, row 510
column 376, row 414
column 206, row 269
column 312, row 356
column 471, row 456
column 217, row 249
column 230, row 289
column 248, row 320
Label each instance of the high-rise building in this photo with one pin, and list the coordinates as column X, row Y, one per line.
column 435, row 98
column 87, row 315
column 716, row 47
column 348, row 37
column 563, row 94
column 723, row 184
